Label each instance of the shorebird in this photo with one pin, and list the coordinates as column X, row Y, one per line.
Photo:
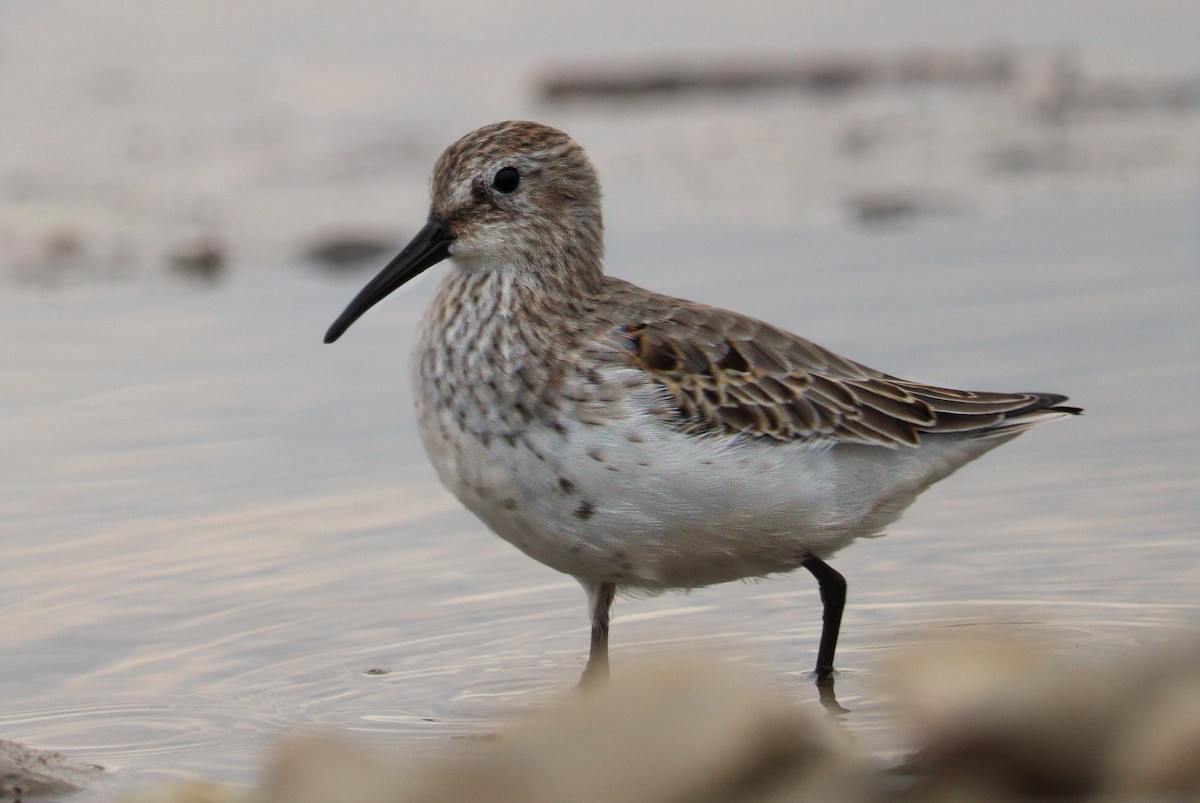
column 639, row 442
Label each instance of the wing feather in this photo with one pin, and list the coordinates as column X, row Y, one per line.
column 730, row 374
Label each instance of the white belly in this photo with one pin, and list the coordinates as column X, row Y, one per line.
column 639, row 504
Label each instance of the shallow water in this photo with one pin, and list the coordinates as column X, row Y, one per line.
column 216, row 529
column 217, row 526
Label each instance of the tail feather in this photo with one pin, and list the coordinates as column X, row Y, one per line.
column 1050, row 401
column 1044, row 407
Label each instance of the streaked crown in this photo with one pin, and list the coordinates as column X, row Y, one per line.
column 520, row 194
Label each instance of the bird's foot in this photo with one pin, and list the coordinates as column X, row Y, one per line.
column 826, row 693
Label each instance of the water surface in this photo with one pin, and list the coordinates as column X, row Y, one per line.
column 217, row 529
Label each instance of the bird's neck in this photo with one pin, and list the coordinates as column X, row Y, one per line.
column 494, row 336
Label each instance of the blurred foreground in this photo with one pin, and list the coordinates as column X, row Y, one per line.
column 996, row 718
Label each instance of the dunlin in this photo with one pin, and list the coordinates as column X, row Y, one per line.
column 641, row 442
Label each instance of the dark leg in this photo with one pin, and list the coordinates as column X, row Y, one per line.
column 833, row 598
column 600, row 599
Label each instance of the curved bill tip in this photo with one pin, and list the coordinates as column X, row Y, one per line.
column 429, row 247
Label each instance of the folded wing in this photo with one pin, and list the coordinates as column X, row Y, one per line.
column 729, row 374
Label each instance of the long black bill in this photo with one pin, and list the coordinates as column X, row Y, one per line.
column 429, row 247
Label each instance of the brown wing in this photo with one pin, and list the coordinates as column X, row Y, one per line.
column 726, row 373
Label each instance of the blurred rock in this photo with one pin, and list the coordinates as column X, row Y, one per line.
column 63, row 245
column 202, row 258
column 195, row 792
column 886, row 207
column 1156, row 750
column 1002, row 718
column 27, row 773
column 880, row 207
column 338, row 251
column 321, row 768
column 674, row 733
column 832, row 74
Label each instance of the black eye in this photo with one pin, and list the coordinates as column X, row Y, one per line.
column 506, row 180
